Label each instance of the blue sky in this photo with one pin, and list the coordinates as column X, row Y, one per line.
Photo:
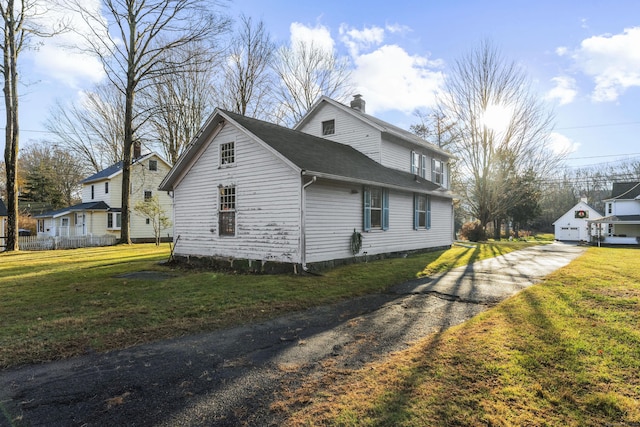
column 583, row 59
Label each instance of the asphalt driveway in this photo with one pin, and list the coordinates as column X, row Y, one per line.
column 231, row 377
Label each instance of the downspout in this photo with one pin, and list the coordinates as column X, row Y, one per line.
column 303, row 231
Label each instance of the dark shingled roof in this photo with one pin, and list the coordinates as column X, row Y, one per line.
column 89, row 206
column 625, row 190
column 104, row 173
column 318, row 155
column 3, row 209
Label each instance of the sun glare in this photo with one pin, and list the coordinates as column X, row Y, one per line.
column 497, row 117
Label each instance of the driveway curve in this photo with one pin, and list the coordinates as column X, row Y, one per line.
column 231, row 377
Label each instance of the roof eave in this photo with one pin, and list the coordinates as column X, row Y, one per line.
column 439, row 193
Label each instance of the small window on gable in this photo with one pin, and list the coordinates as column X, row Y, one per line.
column 106, row 187
column 93, row 192
column 227, row 153
column 147, row 195
column 329, row 127
column 153, row 165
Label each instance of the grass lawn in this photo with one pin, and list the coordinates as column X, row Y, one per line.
column 59, row 304
column 565, row 352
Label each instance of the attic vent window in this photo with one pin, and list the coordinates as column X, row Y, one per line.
column 329, row 127
column 153, row 165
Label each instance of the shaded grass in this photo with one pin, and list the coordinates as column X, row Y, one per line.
column 562, row 353
column 58, row 304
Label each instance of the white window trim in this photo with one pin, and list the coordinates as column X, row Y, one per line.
column 235, row 153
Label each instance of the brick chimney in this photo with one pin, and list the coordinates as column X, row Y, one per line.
column 357, row 103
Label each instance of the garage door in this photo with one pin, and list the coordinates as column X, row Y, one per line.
column 569, row 233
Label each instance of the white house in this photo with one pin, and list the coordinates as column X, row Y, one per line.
column 621, row 223
column 100, row 211
column 250, row 190
column 573, row 225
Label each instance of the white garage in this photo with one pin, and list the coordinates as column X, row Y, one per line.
column 572, row 226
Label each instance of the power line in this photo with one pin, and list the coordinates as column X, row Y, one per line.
column 604, row 155
column 599, row 125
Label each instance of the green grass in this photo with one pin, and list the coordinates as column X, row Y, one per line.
column 565, row 352
column 59, row 304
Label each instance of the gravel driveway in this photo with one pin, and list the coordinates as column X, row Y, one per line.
column 230, row 377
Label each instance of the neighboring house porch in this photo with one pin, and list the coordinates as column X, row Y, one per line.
column 84, row 219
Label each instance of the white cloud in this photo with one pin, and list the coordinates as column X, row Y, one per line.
column 60, row 57
column 613, row 61
column 319, row 36
column 564, row 91
column 391, row 79
column 387, row 76
column 356, row 40
column 561, row 51
column 560, row 144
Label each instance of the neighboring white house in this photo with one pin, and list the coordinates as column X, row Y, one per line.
column 621, row 223
column 3, row 224
column 250, row 190
column 100, row 211
column 573, row 225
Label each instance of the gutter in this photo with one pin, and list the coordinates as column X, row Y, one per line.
column 303, row 232
column 440, row 192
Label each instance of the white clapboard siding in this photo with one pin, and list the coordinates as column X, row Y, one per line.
column 334, row 210
column 267, row 204
column 396, row 156
column 349, row 130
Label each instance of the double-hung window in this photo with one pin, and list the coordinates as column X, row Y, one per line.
column 227, row 153
column 415, row 163
column 148, row 195
column 437, row 172
column 376, row 208
column 422, row 211
column 153, row 165
column 114, row 220
column 227, row 211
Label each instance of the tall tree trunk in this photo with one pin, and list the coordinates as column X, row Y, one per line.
column 10, row 56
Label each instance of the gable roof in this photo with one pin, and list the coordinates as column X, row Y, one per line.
column 577, row 206
column 625, row 190
column 116, row 168
column 3, row 209
column 312, row 155
column 89, row 206
column 380, row 125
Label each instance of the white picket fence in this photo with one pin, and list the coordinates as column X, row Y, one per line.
column 44, row 243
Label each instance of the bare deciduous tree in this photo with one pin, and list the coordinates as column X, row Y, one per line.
column 19, row 21
column 502, row 130
column 91, row 129
column 247, row 85
column 305, row 72
column 179, row 102
column 132, row 42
